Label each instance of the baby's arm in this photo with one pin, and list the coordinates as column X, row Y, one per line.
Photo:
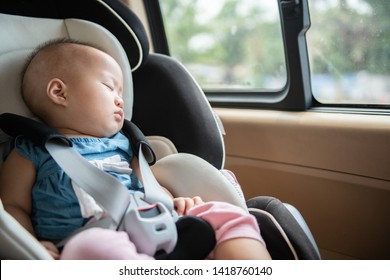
column 17, row 176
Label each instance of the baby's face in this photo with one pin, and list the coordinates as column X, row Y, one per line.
column 95, row 94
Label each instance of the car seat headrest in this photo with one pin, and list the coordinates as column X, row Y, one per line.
column 113, row 15
column 21, row 35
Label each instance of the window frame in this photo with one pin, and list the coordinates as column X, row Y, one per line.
column 297, row 94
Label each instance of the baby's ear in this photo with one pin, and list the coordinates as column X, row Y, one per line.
column 56, row 91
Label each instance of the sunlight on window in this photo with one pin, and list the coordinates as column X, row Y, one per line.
column 349, row 49
column 228, row 44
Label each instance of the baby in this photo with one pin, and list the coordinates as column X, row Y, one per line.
column 77, row 89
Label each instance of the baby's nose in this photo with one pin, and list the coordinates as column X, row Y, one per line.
column 119, row 101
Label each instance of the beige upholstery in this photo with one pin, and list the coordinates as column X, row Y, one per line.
column 188, row 175
column 162, row 146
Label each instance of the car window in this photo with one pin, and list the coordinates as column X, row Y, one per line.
column 227, row 44
column 237, row 45
column 349, row 51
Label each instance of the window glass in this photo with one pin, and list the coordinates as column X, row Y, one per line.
column 349, row 50
column 227, row 44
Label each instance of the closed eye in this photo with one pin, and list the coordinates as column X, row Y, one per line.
column 109, row 86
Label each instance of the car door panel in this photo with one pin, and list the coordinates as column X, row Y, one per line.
column 332, row 167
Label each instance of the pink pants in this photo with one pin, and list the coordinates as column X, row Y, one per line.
column 227, row 220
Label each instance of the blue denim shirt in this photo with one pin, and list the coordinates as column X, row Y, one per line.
column 55, row 207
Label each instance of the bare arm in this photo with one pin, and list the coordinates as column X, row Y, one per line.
column 17, row 176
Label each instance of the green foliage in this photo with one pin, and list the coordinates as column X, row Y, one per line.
column 242, row 43
column 346, row 37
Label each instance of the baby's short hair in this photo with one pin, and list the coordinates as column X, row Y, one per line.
column 49, row 44
column 25, row 89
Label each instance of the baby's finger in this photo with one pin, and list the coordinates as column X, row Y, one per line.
column 179, row 205
column 189, row 204
column 52, row 249
column 197, row 200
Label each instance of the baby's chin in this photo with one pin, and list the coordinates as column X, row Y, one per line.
column 100, row 134
column 110, row 133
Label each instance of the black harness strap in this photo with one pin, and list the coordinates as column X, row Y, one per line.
column 37, row 132
column 137, row 138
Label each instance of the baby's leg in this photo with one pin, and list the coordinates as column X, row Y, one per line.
column 236, row 231
column 101, row 244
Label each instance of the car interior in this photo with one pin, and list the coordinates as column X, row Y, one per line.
column 184, row 114
column 315, row 176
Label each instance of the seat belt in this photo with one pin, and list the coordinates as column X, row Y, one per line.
column 147, row 217
column 149, row 220
column 91, row 179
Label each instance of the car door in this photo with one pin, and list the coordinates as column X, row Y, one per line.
column 302, row 90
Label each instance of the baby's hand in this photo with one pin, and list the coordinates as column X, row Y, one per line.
column 183, row 204
column 51, row 248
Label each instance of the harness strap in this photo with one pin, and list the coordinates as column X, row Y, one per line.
column 104, row 188
column 141, row 148
column 35, row 131
column 149, row 234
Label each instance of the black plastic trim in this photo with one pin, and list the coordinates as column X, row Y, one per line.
column 296, row 95
column 156, row 23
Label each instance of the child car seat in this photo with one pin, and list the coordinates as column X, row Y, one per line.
column 167, row 102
